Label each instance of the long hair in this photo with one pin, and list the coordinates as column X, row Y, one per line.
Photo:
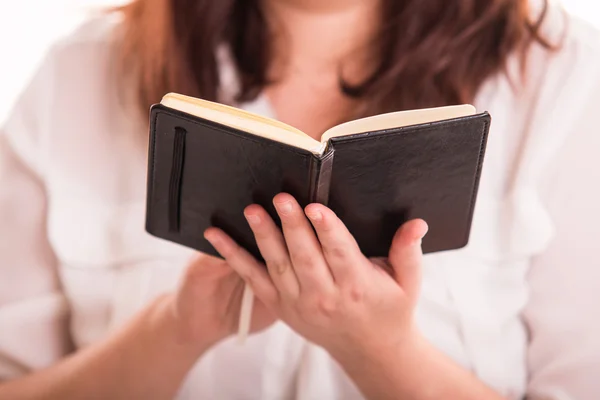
column 429, row 52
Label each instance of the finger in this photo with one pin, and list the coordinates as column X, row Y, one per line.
column 242, row 262
column 406, row 256
column 272, row 247
column 347, row 263
column 305, row 252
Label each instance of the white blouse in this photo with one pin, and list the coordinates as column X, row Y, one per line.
column 517, row 306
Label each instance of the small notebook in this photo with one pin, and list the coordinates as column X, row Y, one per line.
column 208, row 161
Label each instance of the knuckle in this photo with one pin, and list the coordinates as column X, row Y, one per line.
column 336, row 252
column 327, row 307
column 315, row 307
column 279, row 266
column 356, row 294
column 305, row 258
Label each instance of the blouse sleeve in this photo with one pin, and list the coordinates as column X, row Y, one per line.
column 33, row 309
column 563, row 314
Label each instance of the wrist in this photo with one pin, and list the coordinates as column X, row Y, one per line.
column 391, row 369
column 411, row 368
column 381, row 351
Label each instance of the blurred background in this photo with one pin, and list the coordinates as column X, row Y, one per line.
column 28, row 27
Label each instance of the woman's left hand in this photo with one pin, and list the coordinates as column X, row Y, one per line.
column 322, row 285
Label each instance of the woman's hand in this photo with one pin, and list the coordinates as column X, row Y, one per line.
column 206, row 307
column 149, row 356
column 322, row 285
column 357, row 309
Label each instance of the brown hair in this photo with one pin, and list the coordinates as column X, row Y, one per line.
column 431, row 52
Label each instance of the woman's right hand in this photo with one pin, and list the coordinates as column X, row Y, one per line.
column 206, row 306
column 152, row 353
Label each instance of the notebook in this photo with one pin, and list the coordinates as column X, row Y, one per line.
column 208, row 161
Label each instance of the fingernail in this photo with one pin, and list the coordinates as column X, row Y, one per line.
column 315, row 216
column 252, row 219
column 285, row 207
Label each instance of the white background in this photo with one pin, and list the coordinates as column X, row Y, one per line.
column 27, row 27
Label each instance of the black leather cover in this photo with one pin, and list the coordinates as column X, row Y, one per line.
column 431, row 171
column 201, row 173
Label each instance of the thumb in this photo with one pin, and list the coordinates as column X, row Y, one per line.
column 406, row 254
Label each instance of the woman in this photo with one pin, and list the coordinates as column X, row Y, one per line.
column 89, row 306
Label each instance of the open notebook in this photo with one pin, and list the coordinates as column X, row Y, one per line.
column 208, row 161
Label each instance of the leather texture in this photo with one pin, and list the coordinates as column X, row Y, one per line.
column 374, row 181
column 224, row 171
column 431, row 171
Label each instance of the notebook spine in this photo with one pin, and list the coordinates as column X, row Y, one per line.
column 321, row 178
